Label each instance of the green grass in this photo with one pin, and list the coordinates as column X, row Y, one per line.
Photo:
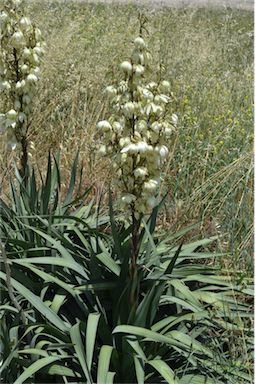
column 207, row 55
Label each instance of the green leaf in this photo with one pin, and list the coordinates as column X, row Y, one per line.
column 35, row 367
column 91, row 331
column 104, row 363
column 165, row 371
column 115, row 234
column 108, row 261
column 59, row 261
column 139, row 370
column 198, row 379
column 79, row 349
column 34, row 351
column 61, row 371
column 37, row 303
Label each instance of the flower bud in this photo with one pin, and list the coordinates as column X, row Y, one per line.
column 110, row 91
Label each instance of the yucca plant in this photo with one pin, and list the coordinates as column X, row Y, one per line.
column 128, row 305
column 74, row 299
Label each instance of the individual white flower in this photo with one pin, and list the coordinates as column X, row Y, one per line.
column 161, row 99
column 150, row 186
column 18, row 39
column 147, row 95
column 22, row 117
column 130, row 148
column 3, row 18
column 174, row 119
column 142, row 126
column 163, row 152
column 31, row 78
column 126, row 67
column 129, row 109
column 156, row 127
column 139, row 70
column 24, row 68
column 139, row 43
column 4, row 85
column 117, row 127
column 38, row 34
column 12, row 115
column 168, row 132
column 104, row 126
column 102, row 150
column 17, row 104
column 110, row 91
column 142, row 147
column 25, row 23
column 152, row 85
column 26, row 53
column 140, row 172
column 127, row 198
column 164, row 86
column 137, row 57
column 26, row 99
column 36, row 71
column 124, row 141
column 151, row 202
column 2, row 123
column 34, row 59
column 12, row 143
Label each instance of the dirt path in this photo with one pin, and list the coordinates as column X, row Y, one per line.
column 240, row 4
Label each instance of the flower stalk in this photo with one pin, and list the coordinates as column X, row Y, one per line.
column 21, row 53
column 137, row 136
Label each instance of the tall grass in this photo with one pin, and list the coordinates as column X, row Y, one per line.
column 206, row 55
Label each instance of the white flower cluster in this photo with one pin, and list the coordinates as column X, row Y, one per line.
column 21, row 52
column 137, row 134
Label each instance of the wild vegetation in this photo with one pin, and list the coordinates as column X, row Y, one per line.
column 134, row 267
